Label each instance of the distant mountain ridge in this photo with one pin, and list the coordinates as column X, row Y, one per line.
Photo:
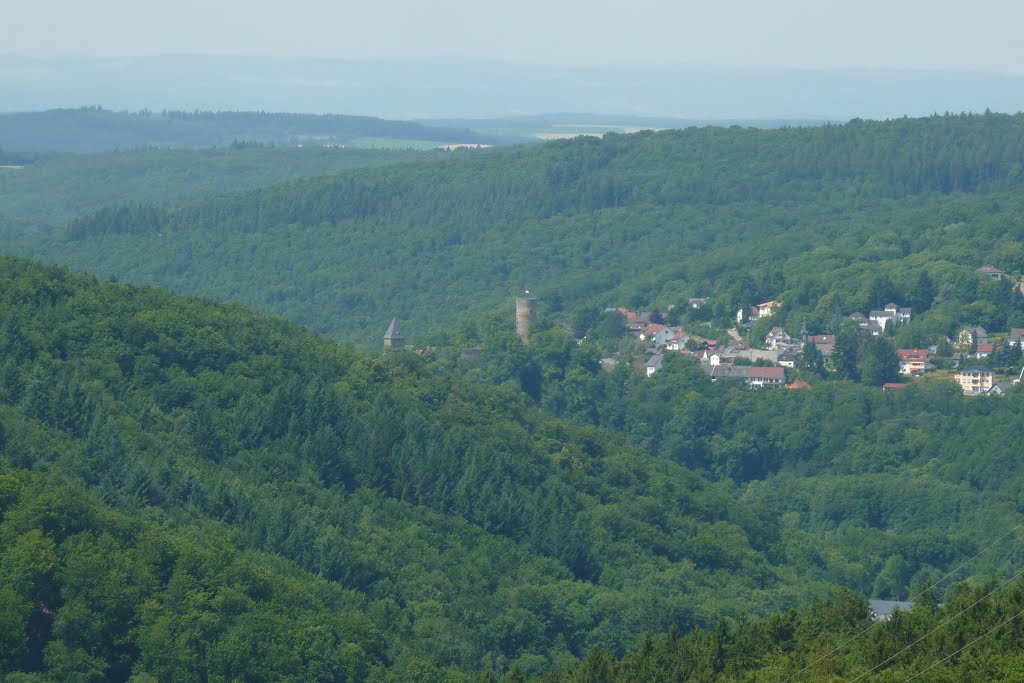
column 419, row 88
column 94, row 129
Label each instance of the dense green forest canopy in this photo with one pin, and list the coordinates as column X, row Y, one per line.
column 189, row 490
column 976, row 636
column 193, row 491
column 263, row 503
column 886, row 483
column 94, row 129
column 643, row 219
column 52, row 189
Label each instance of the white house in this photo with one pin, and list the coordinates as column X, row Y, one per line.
column 768, row 308
column 776, row 338
column 891, row 313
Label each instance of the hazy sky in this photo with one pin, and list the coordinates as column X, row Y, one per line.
column 967, row 35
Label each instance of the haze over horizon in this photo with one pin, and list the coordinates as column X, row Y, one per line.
column 795, row 59
column 872, row 34
column 454, row 88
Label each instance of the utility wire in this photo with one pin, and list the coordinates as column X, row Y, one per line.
column 949, row 656
column 948, row 620
column 857, row 635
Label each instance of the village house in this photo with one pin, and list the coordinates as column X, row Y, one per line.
column 893, row 386
column 999, row 389
column 974, row 379
column 713, row 356
column 1016, row 334
column 766, row 377
column 984, row 350
column 698, row 302
column 864, row 323
column 725, row 371
column 912, row 361
column 772, row 356
column 635, row 321
column 969, row 336
column 776, row 338
column 750, row 313
column 678, row 342
column 873, row 327
column 664, row 336
column 882, row 610
column 768, row 308
column 651, row 330
column 890, row 314
column 787, row 360
column 825, row 343
column 653, row 364
column 992, row 272
column 709, row 355
column 902, row 314
column 754, row 377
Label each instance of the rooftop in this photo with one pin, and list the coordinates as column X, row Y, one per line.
column 393, row 332
column 766, row 373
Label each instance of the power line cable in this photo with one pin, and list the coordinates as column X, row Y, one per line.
column 914, row 598
column 947, row 621
column 949, row 656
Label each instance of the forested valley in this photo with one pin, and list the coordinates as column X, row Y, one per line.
column 636, row 220
column 193, row 491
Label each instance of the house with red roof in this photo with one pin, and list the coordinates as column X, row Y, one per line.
column 912, row 361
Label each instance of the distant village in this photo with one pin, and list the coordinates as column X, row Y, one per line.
column 763, row 362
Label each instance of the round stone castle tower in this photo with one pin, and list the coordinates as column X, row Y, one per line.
column 526, row 311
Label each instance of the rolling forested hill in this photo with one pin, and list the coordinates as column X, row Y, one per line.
column 192, row 491
column 94, row 129
column 643, row 219
column 51, row 189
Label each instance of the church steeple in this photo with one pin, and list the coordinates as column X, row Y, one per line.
column 393, row 338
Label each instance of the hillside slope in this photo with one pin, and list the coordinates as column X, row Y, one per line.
column 53, row 189
column 192, row 491
column 636, row 219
